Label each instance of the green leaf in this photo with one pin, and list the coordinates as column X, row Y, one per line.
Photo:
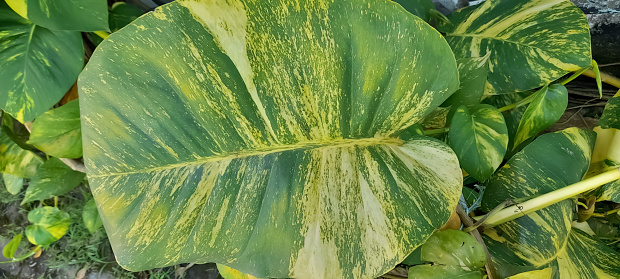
column 53, row 178
column 606, row 156
column 48, row 225
column 546, row 273
column 420, row 8
column 611, row 114
column 473, row 76
column 597, row 74
column 550, row 162
column 512, row 116
column 15, row 160
column 456, row 248
column 479, row 138
column 38, row 65
column 122, row 14
column 454, row 254
column 16, row 131
column 13, row 183
column 547, row 107
column 10, row 248
column 414, row 257
column 230, row 273
column 442, row 272
column 58, row 132
column 77, row 15
column 531, row 42
column 90, row 216
column 274, row 142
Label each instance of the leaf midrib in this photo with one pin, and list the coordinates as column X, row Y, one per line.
column 332, row 143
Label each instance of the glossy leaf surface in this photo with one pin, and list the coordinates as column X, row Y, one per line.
column 38, row 65
column 539, row 168
column 611, row 114
column 53, row 178
column 479, row 138
column 473, row 76
column 58, row 132
column 78, row 15
column 547, row 107
column 272, row 147
column 531, row 43
column 122, row 14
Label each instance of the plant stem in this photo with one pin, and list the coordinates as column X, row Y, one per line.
column 574, row 76
column 523, row 101
column 436, row 131
column 606, row 78
column 606, row 213
column 104, row 35
column 521, row 209
column 468, row 222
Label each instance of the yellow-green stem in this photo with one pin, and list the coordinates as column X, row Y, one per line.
column 104, row 35
column 606, row 78
column 436, row 131
column 521, row 209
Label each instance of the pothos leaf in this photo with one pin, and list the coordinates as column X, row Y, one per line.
column 53, row 178
column 10, row 248
column 90, row 216
column 122, row 14
column 548, row 105
column 606, row 156
column 539, row 168
column 531, row 42
column 479, row 138
column 546, row 273
column 473, row 76
column 420, row 8
column 13, row 183
column 78, row 15
column 49, row 225
column 274, row 142
column 15, row 160
column 58, row 132
column 38, row 65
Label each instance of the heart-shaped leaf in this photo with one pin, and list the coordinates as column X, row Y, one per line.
column 78, row 15
column 38, row 65
column 479, row 138
column 531, row 42
column 49, row 225
column 53, row 178
column 10, row 248
column 611, row 114
column 58, row 132
column 548, row 105
column 263, row 135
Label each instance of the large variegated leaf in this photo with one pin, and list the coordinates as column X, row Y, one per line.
column 479, row 138
column 15, row 160
column 547, row 107
column 38, row 65
column 78, row 15
column 539, row 168
column 532, row 42
column 583, row 257
column 262, row 135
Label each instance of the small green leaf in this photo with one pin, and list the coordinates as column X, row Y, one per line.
column 58, row 132
column 597, row 73
column 512, row 116
column 77, row 15
column 230, row 273
column 13, row 183
column 473, row 77
column 15, row 160
column 10, row 248
column 39, row 65
column 122, row 14
column 49, row 225
column 454, row 248
column 442, row 272
column 611, row 114
column 414, row 258
column 53, row 178
column 90, row 216
column 16, row 131
column 547, row 107
column 479, row 138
